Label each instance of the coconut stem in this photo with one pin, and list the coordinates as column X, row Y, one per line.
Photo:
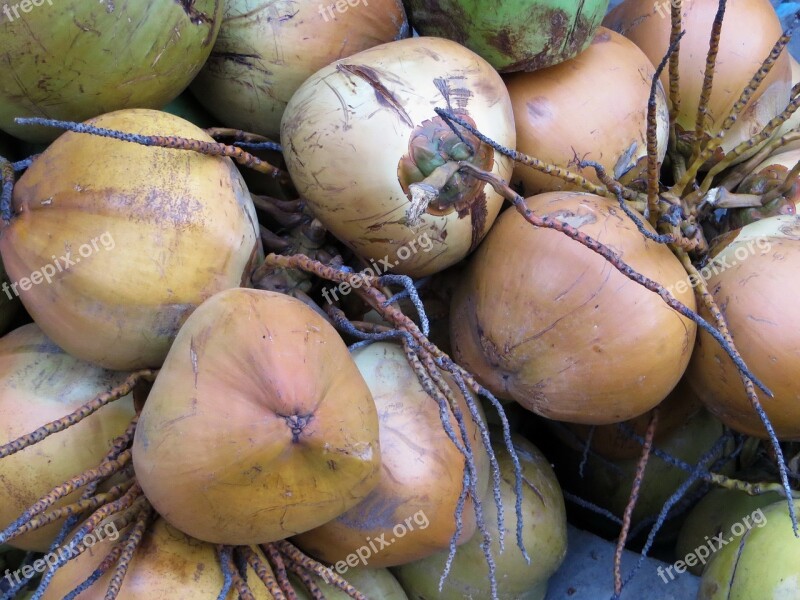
column 541, row 166
column 784, row 188
column 634, row 497
column 295, row 558
column 753, row 143
column 264, row 572
column 425, row 192
column 91, row 407
column 651, row 210
column 518, row 201
column 708, row 81
column 128, row 550
column 244, row 139
column 178, row 143
column 736, row 175
column 74, row 509
column 714, row 143
column 701, row 289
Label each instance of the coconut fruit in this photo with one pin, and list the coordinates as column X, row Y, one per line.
column 124, row 241
column 740, row 55
column 409, row 514
column 75, row 60
column 608, row 484
column 594, row 105
column 759, row 559
column 299, row 445
column 361, row 132
column 715, row 514
column 167, row 564
column 544, row 533
column 543, row 320
column 750, row 274
column 40, row 383
column 265, row 51
column 513, row 35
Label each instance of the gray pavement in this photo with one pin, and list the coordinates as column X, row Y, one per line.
column 587, row 574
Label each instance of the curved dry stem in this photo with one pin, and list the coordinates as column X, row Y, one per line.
column 708, row 151
column 753, row 143
column 77, row 415
column 634, row 497
column 708, row 81
column 711, row 305
column 242, row 157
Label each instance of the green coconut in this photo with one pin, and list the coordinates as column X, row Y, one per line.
column 512, row 35
column 715, row 514
column 544, row 532
column 762, row 561
column 608, row 483
column 373, row 583
column 74, row 60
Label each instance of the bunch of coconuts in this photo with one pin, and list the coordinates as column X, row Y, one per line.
column 260, row 424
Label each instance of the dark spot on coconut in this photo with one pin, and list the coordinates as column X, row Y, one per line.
column 384, row 97
column 297, row 423
column 246, row 60
column 538, row 108
column 195, row 16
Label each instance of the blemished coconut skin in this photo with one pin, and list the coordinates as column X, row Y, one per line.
column 741, row 53
column 74, row 60
column 557, row 113
column 152, row 232
column 544, row 533
column 359, row 132
column 300, row 443
column 266, row 50
column 421, row 472
column 541, row 319
column 40, row 383
column 513, row 35
column 757, row 269
column 167, row 564
column 759, row 563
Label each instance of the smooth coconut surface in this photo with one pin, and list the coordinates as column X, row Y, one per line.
column 113, row 244
column 259, row 425
column 167, row 564
column 752, row 273
column 412, row 507
column 594, row 105
column 361, row 131
column 541, row 319
column 40, row 383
